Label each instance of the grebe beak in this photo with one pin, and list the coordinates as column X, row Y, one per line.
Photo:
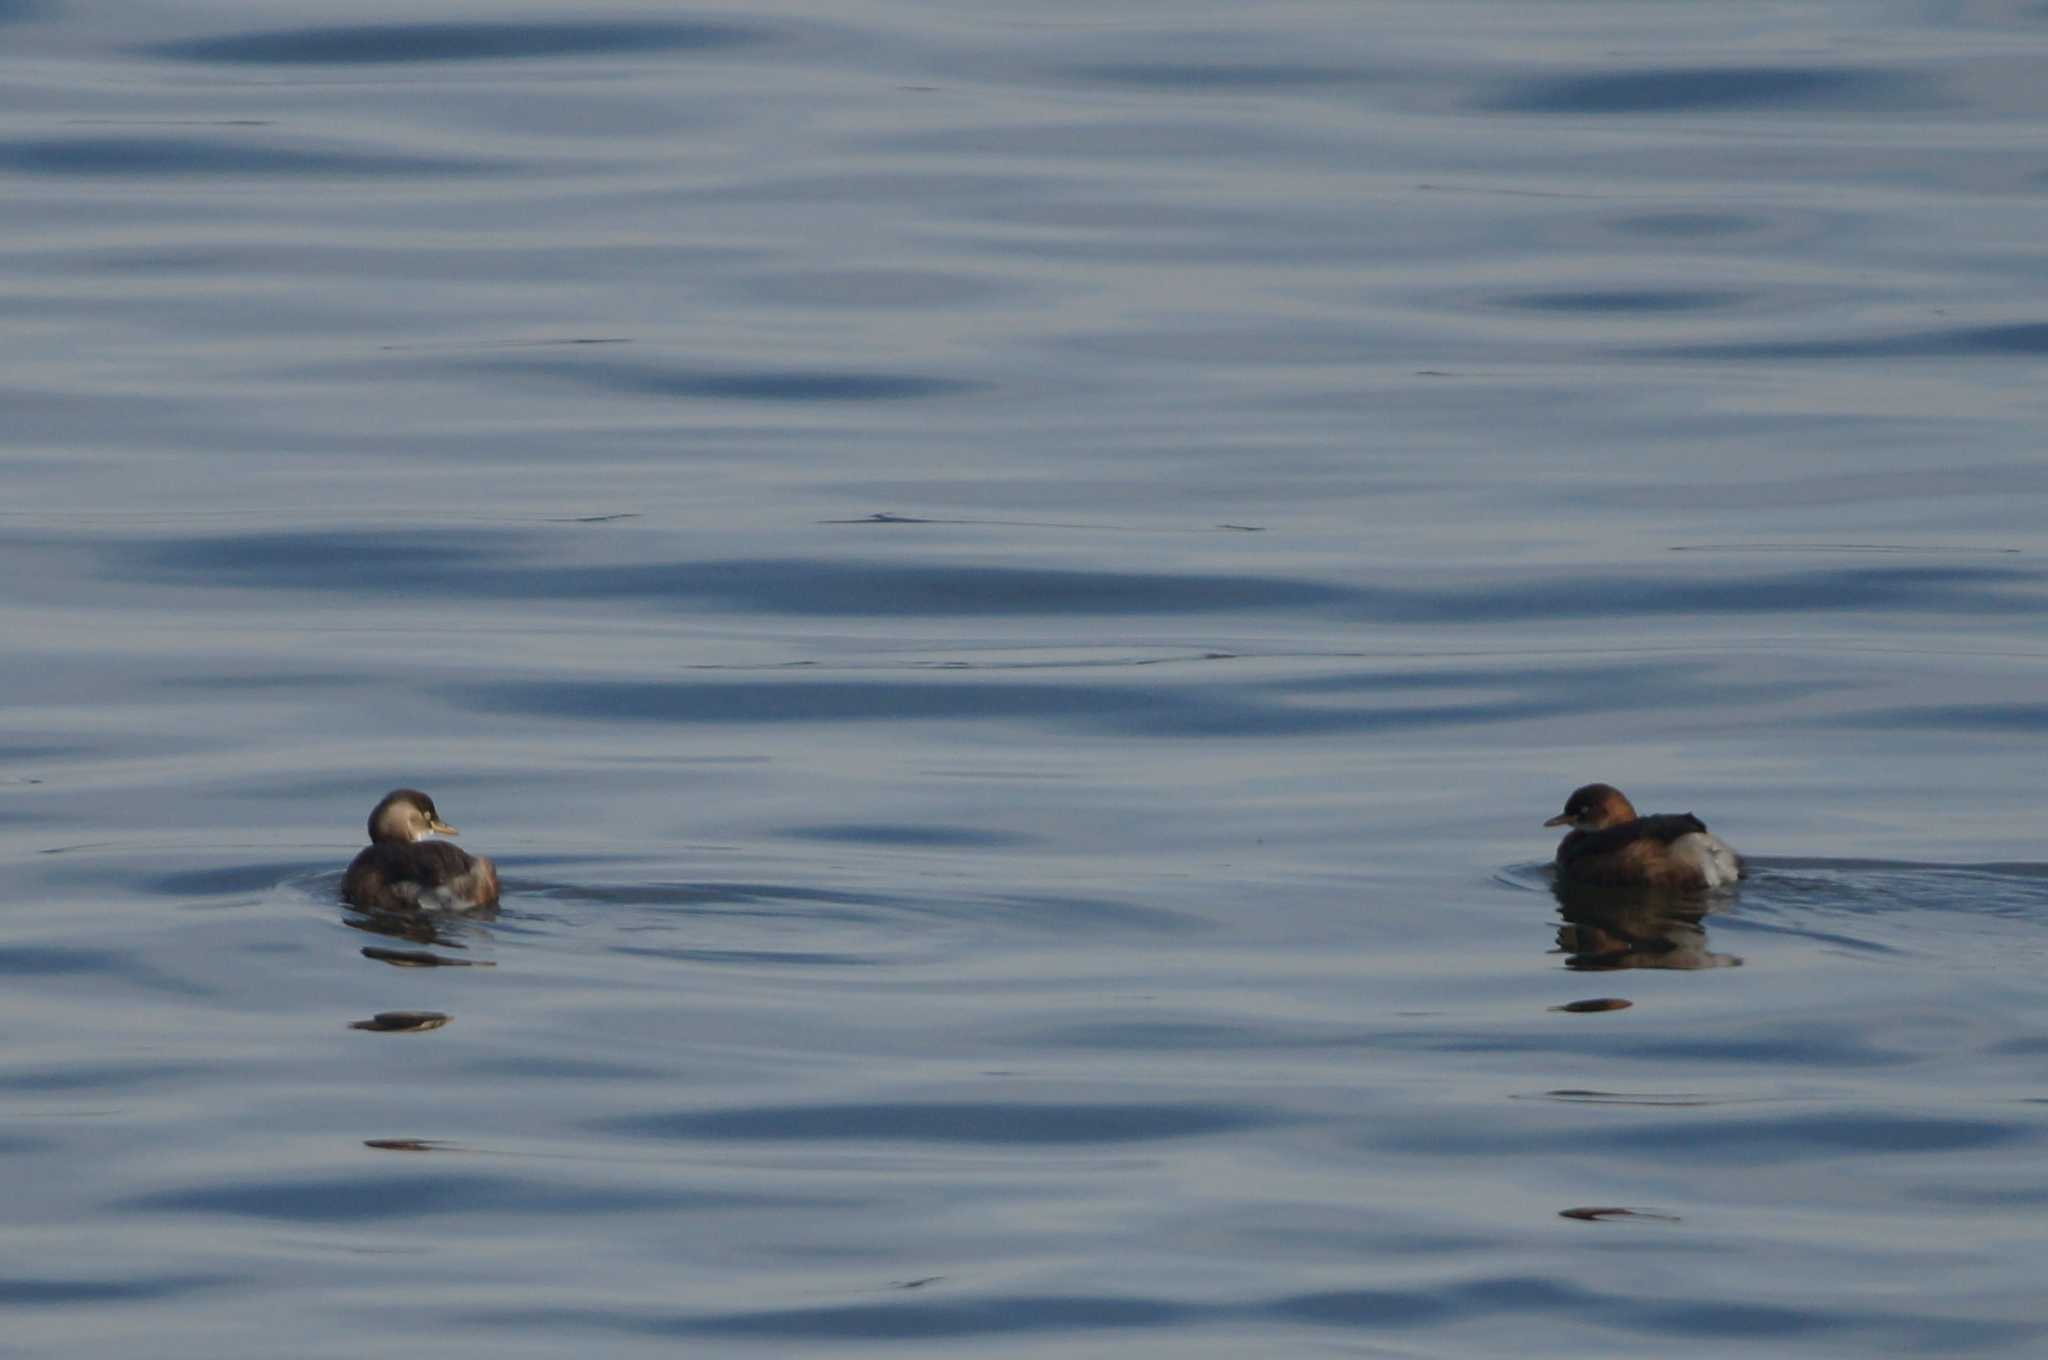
column 1561, row 819
column 441, row 828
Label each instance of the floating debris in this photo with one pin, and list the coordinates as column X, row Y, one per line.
column 402, row 1022
column 1603, row 1214
column 420, row 958
column 1598, row 1003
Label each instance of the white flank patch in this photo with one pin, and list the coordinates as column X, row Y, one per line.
column 1710, row 855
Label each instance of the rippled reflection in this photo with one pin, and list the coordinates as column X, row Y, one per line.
column 420, row 927
column 1607, row 929
column 403, row 1022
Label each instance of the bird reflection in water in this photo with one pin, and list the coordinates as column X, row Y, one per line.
column 417, row 925
column 1605, row 929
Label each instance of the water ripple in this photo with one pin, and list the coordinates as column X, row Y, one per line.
column 471, row 563
column 767, row 384
column 928, row 1318
column 1219, row 76
column 1732, row 1140
column 1624, row 301
column 905, row 834
column 230, row 879
column 177, row 156
column 2022, row 339
column 1699, row 89
column 920, row 1319
column 20, row 1291
column 993, row 1122
column 369, row 1199
column 37, row 961
column 357, row 44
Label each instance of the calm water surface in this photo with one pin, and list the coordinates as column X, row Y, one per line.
column 1010, row 588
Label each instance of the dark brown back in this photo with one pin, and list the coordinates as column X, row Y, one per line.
column 393, row 874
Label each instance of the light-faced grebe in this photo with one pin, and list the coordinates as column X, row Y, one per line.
column 401, row 868
column 1610, row 845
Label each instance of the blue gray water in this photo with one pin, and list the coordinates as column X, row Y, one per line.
column 1009, row 587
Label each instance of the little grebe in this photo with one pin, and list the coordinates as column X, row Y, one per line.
column 1612, row 846
column 401, row 868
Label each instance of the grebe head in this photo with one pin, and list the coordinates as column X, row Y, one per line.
column 1593, row 808
column 407, row 815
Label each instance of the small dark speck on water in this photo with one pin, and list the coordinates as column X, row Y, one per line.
column 402, row 1022
column 916, row 1284
column 1598, row 1003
